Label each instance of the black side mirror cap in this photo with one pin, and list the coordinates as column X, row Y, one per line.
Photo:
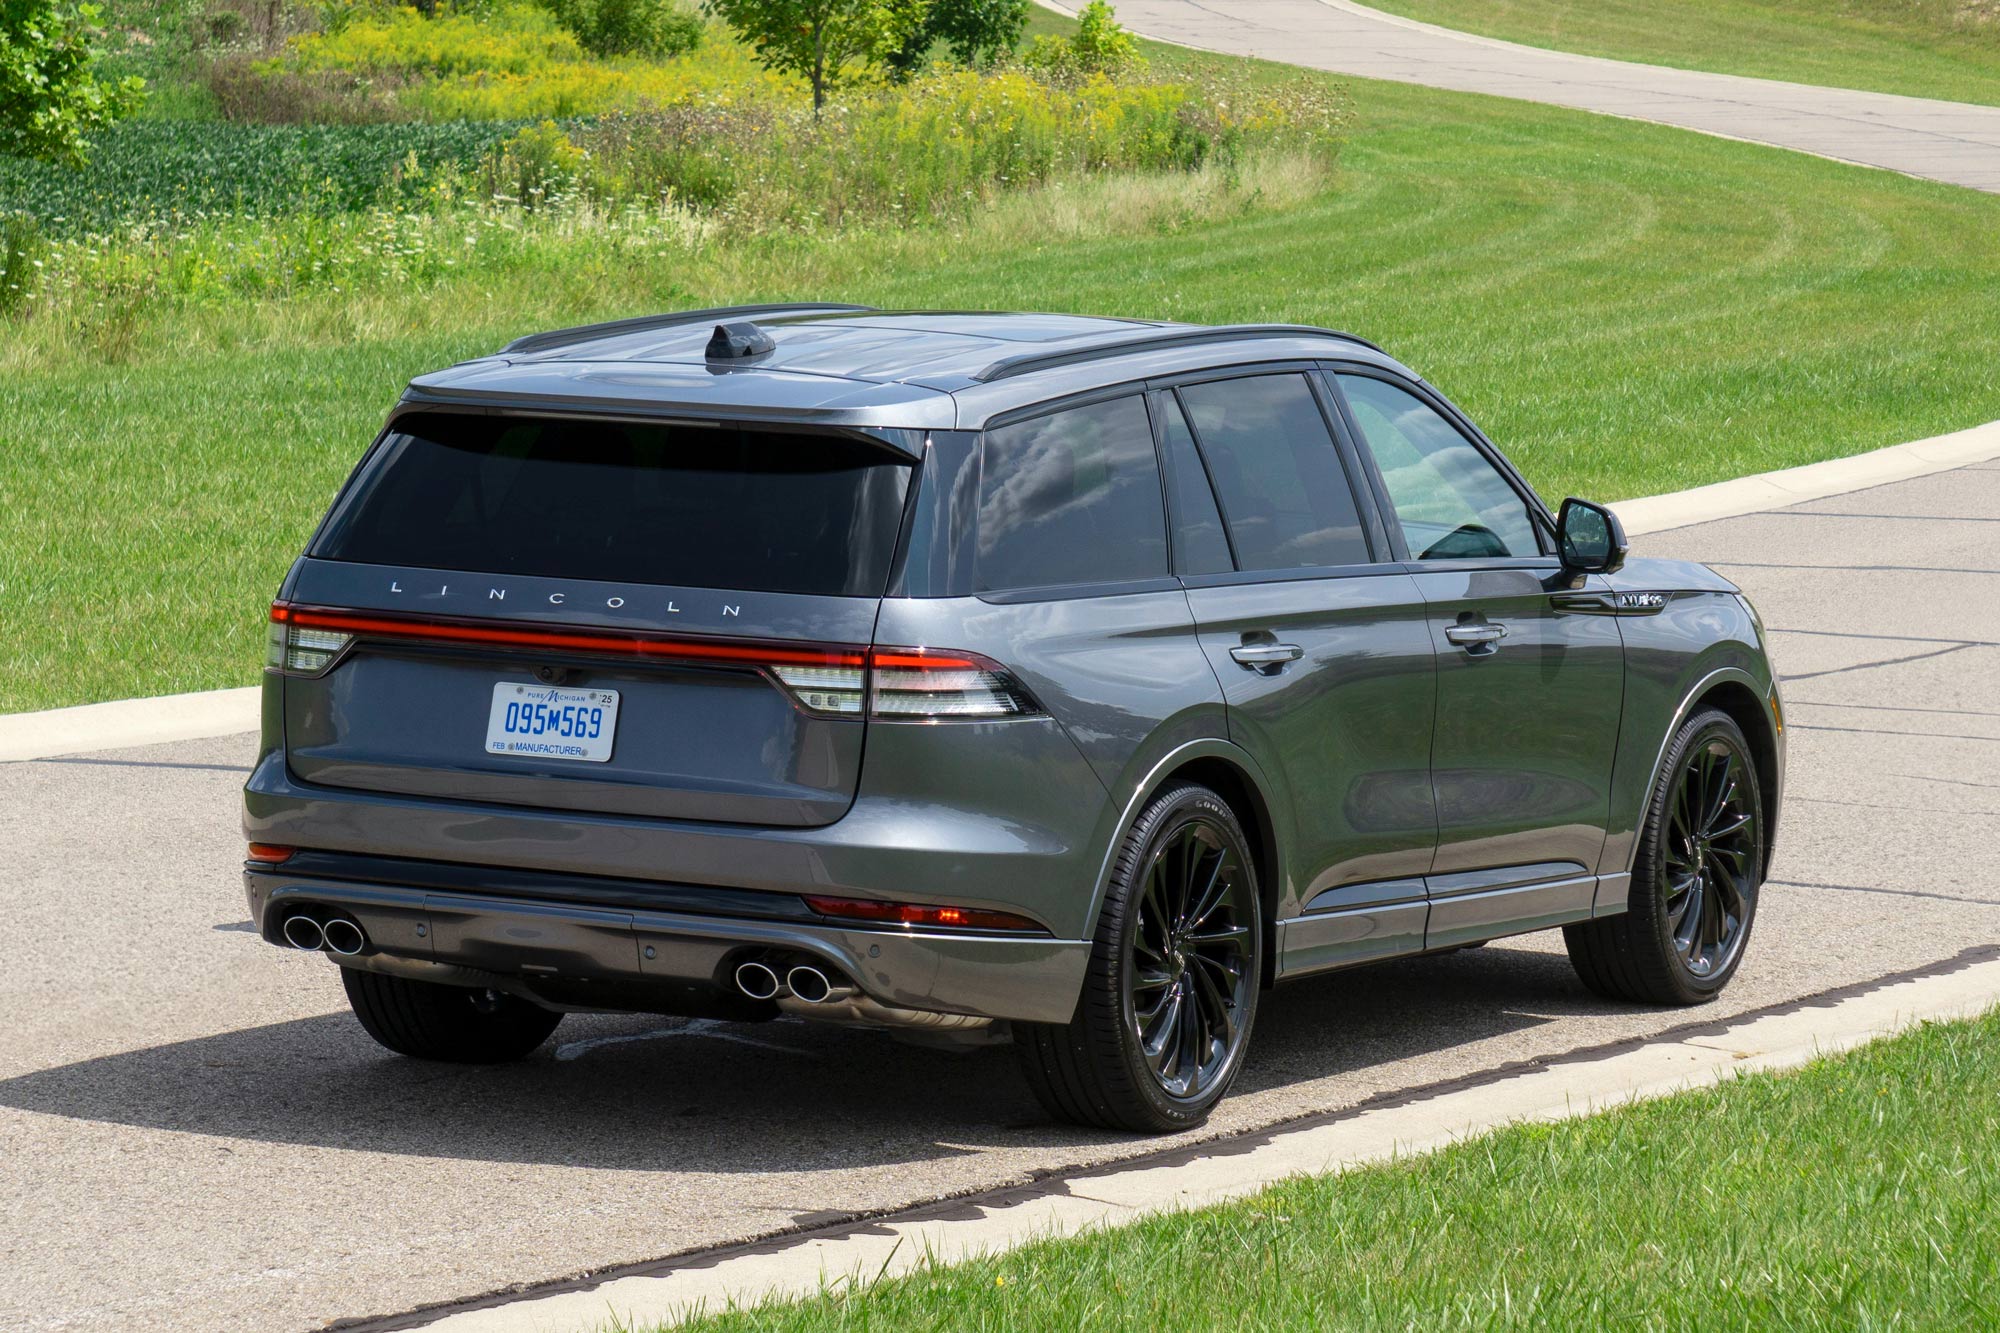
column 1589, row 538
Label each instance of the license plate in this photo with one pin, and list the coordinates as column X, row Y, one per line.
column 545, row 722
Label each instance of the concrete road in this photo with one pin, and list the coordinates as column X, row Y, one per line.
column 1946, row 141
column 194, row 1134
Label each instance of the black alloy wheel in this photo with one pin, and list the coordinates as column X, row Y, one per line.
column 1171, row 990
column 1695, row 880
column 1191, row 957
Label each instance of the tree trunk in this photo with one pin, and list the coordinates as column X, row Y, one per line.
column 819, row 70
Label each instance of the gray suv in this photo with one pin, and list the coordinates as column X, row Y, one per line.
column 944, row 671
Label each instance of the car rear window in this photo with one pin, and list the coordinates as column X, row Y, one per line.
column 722, row 506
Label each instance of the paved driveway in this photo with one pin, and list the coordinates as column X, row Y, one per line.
column 195, row 1134
column 1946, row 141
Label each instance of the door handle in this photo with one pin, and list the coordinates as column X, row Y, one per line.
column 1476, row 638
column 1267, row 657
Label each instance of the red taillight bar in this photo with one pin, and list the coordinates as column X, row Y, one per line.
column 270, row 853
column 575, row 638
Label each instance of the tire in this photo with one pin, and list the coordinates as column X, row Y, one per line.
column 1701, row 852
column 1171, row 990
column 456, row 1024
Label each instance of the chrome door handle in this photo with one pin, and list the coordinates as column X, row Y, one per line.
column 1476, row 637
column 1266, row 656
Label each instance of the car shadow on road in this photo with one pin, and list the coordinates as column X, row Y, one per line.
column 656, row 1094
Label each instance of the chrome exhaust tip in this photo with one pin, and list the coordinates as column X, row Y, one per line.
column 302, row 932
column 814, row 986
column 343, row 937
column 757, row 981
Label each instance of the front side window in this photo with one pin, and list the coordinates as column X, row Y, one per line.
column 1072, row 497
column 1284, row 493
column 1450, row 500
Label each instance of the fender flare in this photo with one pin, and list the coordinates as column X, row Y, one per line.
column 1206, row 747
column 1707, row 682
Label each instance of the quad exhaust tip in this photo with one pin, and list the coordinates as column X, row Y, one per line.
column 343, row 937
column 302, row 932
column 757, row 981
column 814, row 986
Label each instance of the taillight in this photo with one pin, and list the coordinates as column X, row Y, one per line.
column 838, row 680
column 301, row 649
column 270, row 853
column 910, row 685
column 919, row 914
column 920, row 683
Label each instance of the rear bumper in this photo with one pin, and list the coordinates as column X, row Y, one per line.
column 638, row 956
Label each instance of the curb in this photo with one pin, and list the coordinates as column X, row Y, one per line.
column 124, row 723
column 857, row 1254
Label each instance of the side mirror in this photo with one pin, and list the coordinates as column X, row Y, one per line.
column 1590, row 538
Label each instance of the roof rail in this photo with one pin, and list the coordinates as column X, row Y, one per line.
column 542, row 342
column 1008, row 366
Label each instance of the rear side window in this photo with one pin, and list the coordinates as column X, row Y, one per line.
column 725, row 506
column 1283, row 490
column 1200, row 547
column 1071, row 497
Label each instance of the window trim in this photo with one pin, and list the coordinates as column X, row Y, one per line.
column 1060, row 592
column 1538, row 515
column 1381, row 557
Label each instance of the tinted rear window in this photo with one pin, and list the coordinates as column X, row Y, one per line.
column 693, row 506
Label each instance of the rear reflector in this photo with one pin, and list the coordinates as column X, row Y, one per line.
column 270, row 853
column 921, row 914
column 839, row 680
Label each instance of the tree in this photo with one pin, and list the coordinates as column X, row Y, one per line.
column 974, row 31
column 830, row 42
column 50, row 95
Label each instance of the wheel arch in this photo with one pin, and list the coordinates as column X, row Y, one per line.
column 1736, row 693
column 1752, row 715
column 1231, row 774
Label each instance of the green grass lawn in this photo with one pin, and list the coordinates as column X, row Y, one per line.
column 1628, row 309
column 1862, row 1192
column 1920, row 48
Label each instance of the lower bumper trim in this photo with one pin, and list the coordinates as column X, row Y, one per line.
column 680, row 958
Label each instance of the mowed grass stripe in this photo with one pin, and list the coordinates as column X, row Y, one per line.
column 1857, row 1193
column 1947, row 49
column 1627, row 308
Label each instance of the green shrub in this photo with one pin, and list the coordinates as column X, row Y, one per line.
column 975, row 32
column 658, row 28
column 151, row 171
column 514, row 61
column 1099, row 46
column 21, row 248
column 51, row 98
column 534, row 168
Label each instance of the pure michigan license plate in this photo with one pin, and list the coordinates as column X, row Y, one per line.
column 546, row 722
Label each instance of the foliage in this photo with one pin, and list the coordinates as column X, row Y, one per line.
column 533, row 168
column 657, row 28
column 21, row 248
column 975, row 32
column 51, row 98
column 1098, row 46
column 514, row 61
column 154, row 171
column 829, row 43
column 941, row 144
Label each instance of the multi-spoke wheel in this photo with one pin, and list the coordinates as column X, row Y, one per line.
column 1166, row 1011
column 1695, row 879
